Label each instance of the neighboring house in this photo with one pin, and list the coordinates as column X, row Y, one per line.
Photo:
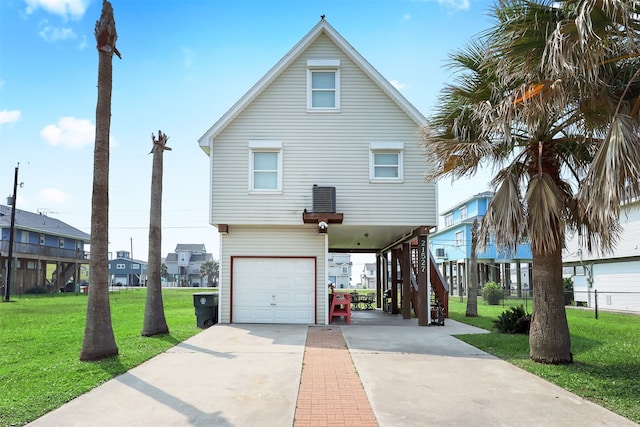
column 295, row 164
column 125, row 271
column 452, row 248
column 616, row 275
column 339, row 269
column 41, row 243
column 185, row 264
column 368, row 276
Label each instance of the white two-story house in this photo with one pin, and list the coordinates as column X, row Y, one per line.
column 295, row 164
column 610, row 281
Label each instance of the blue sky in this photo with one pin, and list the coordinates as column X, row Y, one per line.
column 184, row 64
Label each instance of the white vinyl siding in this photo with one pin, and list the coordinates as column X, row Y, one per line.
column 273, row 242
column 323, row 149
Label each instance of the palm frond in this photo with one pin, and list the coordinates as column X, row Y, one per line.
column 614, row 174
column 505, row 216
column 545, row 208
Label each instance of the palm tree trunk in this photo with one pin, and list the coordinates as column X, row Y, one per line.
column 154, row 319
column 549, row 338
column 99, row 341
column 472, row 296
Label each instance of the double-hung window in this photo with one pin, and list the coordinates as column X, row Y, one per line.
column 459, row 238
column 323, row 85
column 385, row 162
column 265, row 166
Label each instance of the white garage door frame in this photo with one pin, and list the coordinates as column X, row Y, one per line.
column 285, row 292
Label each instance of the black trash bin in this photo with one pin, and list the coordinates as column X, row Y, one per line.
column 206, row 305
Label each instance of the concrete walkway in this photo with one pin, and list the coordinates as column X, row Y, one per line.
column 254, row 375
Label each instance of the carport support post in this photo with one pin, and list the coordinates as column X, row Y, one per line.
column 423, row 271
column 405, row 270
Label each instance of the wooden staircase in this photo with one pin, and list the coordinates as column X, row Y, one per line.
column 439, row 287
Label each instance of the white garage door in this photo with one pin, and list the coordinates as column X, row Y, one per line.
column 273, row 290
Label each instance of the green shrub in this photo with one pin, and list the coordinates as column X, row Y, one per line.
column 567, row 284
column 513, row 321
column 492, row 293
column 36, row 290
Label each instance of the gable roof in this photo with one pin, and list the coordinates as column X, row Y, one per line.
column 321, row 28
column 190, row 247
column 41, row 223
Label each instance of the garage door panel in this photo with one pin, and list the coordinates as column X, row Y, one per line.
column 273, row 290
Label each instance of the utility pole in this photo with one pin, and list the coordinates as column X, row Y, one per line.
column 7, row 288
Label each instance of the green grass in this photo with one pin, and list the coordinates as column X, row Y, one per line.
column 41, row 338
column 606, row 351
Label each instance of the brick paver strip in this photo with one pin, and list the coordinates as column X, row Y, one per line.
column 330, row 393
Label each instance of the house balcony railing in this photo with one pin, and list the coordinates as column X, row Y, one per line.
column 29, row 250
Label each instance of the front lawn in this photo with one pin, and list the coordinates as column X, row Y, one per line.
column 606, row 352
column 41, row 338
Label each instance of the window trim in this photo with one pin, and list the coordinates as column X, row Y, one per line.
column 463, row 213
column 265, row 147
column 459, row 238
column 386, row 148
column 448, row 220
column 323, row 65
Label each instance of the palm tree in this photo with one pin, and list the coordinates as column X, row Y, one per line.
column 154, row 319
column 98, row 341
column 210, row 270
column 472, row 297
column 516, row 108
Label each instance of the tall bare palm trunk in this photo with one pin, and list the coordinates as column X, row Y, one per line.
column 154, row 319
column 99, row 341
column 472, row 297
column 549, row 344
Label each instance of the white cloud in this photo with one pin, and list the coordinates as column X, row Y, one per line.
column 52, row 196
column 406, row 17
column 64, row 8
column 7, row 116
column 398, row 85
column 52, row 34
column 70, row 133
column 83, row 43
column 455, row 4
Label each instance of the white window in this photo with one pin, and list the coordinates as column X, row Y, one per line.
column 459, row 238
column 448, row 220
column 120, row 266
column 386, row 161
column 135, row 266
column 345, row 269
column 323, row 85
column 265, row 166
column 61, row 242
column 463, row 213
column 42, row 239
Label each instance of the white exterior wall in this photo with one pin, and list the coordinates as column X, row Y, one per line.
column 616, row 275
column 324, row 148
column 273, row 242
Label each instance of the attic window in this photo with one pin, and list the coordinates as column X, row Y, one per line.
column 323, row 85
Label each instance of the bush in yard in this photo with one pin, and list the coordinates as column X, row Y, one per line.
column 513, row 321
column 567, row 284
column 36, row 290
column 492, row 293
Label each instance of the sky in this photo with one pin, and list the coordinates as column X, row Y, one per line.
column 184, row 64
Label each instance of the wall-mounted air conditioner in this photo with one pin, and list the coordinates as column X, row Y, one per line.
column 324, row 199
